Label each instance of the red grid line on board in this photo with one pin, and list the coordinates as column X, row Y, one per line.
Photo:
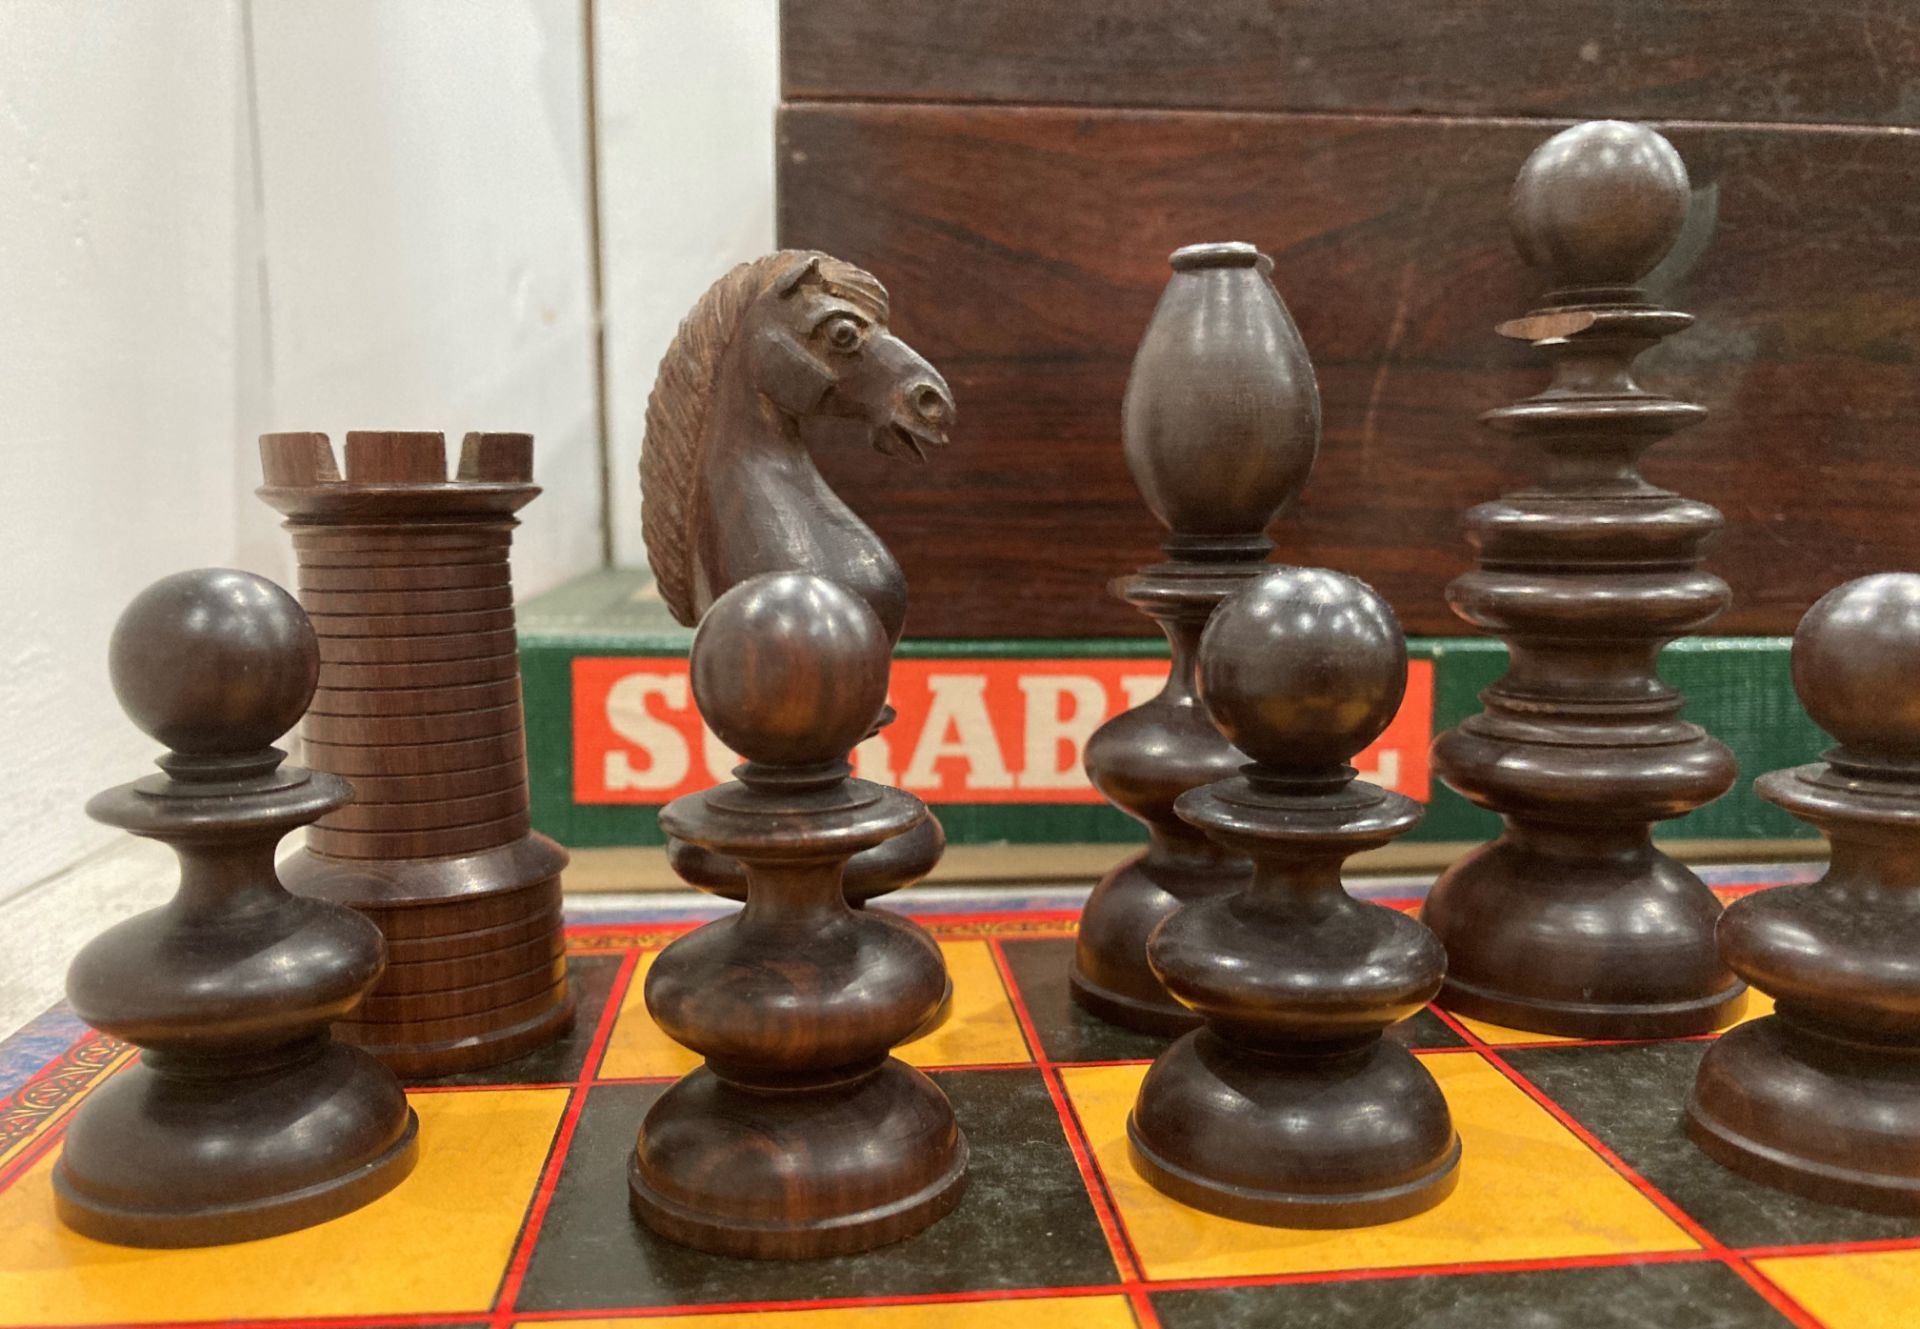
column 516, row 1274
column 1119, row 1243
column 1759, row 1282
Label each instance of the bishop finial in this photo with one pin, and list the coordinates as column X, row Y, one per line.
column 790, row 669
column 216, row 664
column 1599, row 204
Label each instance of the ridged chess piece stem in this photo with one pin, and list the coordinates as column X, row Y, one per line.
column 242, row 1118
column 1823, row 1096
column 799, row 1136
column 1571, row 922
column 1221, row 423
column 1288, row 1107
column 406, row 576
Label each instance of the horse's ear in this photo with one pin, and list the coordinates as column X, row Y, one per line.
column 799, row 276
column 791, row 376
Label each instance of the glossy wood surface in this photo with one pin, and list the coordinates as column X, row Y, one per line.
column 1822, row 1097
column 1221, row 422
column 1571, row 922
column 799, row 1135
column 1024, row 249
column 242, row 1117
column 1787, row 60
column 1287, row 1107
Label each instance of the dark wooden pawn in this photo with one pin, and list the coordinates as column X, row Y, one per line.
column 1221, row 423
column 800, row 1136
column 1823, row 1097
column 1288, row 1107
column 784, row 355
column 242, row 1118
column 1571, row 922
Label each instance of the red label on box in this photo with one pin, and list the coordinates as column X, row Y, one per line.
column 969, row 731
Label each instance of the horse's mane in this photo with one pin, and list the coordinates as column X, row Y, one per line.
column 682, row 398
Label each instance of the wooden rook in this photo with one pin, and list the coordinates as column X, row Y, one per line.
column 1571, row 922
column 406, row 576
column 1823, row 1097
column 800, row 1136
column 1220, row 425
column 1287, row 1107
column 782, row 355
column 242, row 1118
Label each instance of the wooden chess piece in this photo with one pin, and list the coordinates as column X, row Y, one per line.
column 242, row 1118
column 406, row 576
column 1571, row 922
column 1288, row 1107
column 1823, row 1096
column 784, row 354
column 1221, row 424
column 800, row 1136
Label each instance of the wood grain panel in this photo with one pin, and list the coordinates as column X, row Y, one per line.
column 1025, row 249
column 1780, row 60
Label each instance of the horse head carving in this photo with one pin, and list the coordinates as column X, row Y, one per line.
column 782, row 355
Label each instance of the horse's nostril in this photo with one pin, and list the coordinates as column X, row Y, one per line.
column 929, row 404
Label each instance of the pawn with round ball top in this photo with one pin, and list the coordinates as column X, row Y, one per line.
column 1287, row 1107
column 243, row 1118
column 1823, row 1096
column 800, row 1136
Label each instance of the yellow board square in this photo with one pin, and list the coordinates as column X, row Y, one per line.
column 438, row 1242
column 1037, row 1313
column 1528, row 1190
column 1865, row 1290
column 980, row 1028
column 1498, row 1035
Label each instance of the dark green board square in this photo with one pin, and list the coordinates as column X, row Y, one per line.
column 1633, row 1097
column 1024, row 1222
column 1039, row 967
column 1695, row 1295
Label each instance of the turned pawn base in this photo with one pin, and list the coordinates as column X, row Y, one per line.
column 1111, row 978
column 1613, row 947
column 787, row 1174
column 1347, row 1139
column 1830, row 1120
column 158, row 1161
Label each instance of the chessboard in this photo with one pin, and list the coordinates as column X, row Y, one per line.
column 1581, row 1201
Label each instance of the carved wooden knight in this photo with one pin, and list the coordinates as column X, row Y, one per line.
column 784, row 354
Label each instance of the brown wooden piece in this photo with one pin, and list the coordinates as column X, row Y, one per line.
column 1288, row 1108
column 784, row 358
column 1220, row 424
column 1025, row 246
column 1725, row 59
column 1571, row 922
column 408, row 573
column 242, row 1118
column 799, row 1136
column 1823, row 1096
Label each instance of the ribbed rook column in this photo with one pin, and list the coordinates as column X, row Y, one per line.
column 405, row 574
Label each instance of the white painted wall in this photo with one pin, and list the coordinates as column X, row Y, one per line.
column 687, row 90
column 219, row 217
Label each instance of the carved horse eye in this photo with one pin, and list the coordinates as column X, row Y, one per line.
column 844, row 332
